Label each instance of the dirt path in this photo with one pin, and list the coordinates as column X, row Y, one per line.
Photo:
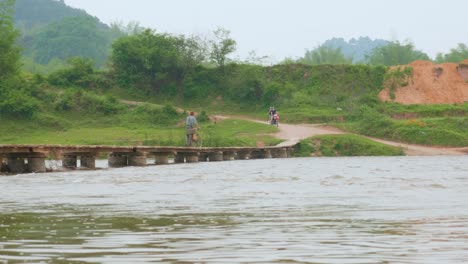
column 292, row 134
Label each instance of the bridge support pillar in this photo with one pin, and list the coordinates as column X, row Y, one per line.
column 290, row 152
column 117, row 160
column 179, row 158
column 36, row 163
column 228, row 155
column 69, row 161
column 16, row 165
column 191, row 157
column 161, row 158
column 88, row 160
column 280, row 153
column 243, row 155
column 137, row 159
column 216, row 156
column 203, row 157
column 3, row 165
column 267, row 154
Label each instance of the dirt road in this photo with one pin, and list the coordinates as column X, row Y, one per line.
column 292, row 134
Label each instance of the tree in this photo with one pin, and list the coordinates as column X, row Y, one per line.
column 146, row 59
column 325, row 55
column 70, row 37
column 9, row 52
column 221, row 46
column 14, row 98
column 395, row 53
column 457, row 54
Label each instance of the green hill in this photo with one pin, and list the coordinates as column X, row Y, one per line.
column 52, row 32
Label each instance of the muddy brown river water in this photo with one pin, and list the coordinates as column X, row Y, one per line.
column 307, row 210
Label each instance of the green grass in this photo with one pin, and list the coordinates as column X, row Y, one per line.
column 109, row 130
column 441, row 131
column 344, row 145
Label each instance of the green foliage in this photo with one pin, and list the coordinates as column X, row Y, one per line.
column 16, row 100
column 325, row 55
column 70, row 37
column 456, row 55
column 146, row 60
column 222, row 46
column 395, row 53
column 344, row 145
column 396, row 78
column 203, row 117
column 9, row 52
column 77, row 74
column 357, row 49
column 372, row 123
column 87, row 102
column 152, row 115
column 33, row 14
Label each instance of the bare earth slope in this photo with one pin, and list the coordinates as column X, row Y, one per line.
column 431, row 83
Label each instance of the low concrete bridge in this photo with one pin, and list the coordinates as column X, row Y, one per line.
column 31, row 158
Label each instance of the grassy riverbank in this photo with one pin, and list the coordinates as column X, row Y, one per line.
column 344, row 145
column 110, row 130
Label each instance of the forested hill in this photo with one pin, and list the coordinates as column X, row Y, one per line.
column 52, row 32
column 33, row 14
column 357, row 49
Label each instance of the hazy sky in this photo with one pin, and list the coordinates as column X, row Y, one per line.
column 286, row 28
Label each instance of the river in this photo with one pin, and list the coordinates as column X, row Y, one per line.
column 305, row 210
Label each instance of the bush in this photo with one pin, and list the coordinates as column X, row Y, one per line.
column 80, row 101
column 344, row 145
column 16, row 100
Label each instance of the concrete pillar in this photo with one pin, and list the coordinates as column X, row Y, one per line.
column 203, row 157
column 216, row 156
column 267, row 154
column 16, row 165
column 243, row 155
column 161, row 158
column 191, row 157
column 88, row 161
column 256, row 154
column 228, row 155
column 69, row 161
column 179, row 158
column 290, row 152
column 137, row 159
column 3, row 165
column 117, row 160
column 280, row 153
column 37, row 165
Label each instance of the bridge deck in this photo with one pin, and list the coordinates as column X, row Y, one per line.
column 6, row 149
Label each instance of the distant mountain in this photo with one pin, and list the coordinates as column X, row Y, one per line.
column 52, row 30
column 356, row 48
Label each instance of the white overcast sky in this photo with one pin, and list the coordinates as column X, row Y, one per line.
column 286, row 28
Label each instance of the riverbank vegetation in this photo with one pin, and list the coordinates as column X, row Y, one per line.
column 134, row 93
column 344, row 145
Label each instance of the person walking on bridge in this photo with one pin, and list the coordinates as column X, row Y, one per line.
column 191, row 126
